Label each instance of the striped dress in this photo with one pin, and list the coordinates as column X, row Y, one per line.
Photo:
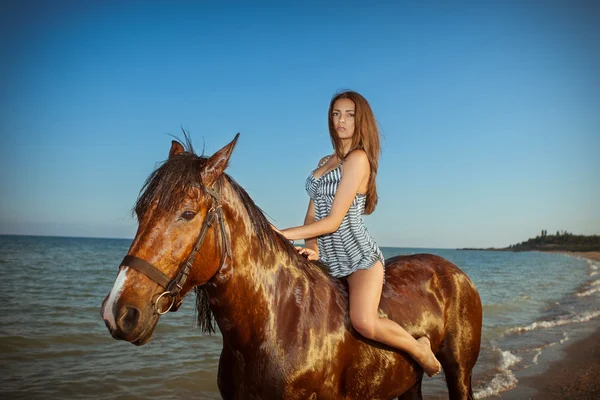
column 351, row 247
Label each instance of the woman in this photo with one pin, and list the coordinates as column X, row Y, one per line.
column 341, row 189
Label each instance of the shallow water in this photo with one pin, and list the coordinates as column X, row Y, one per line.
column 54, row 342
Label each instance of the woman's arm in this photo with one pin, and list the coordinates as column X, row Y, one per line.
column 310, row 243
column 356, row 171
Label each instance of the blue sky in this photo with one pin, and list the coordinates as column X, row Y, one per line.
column 490, row 113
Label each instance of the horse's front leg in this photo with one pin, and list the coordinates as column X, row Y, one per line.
column 229, row 379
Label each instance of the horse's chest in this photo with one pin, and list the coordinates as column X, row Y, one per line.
column 330, row 368
column 275, row 373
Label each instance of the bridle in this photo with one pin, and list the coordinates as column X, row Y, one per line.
column 174, row 286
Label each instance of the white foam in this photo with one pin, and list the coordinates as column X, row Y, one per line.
column 504, row 380
column 589, row 292
column 585, row 317
column 593, row 267
column 508, row 360
column 539, row 350
column 592, row 289
column 537, row 354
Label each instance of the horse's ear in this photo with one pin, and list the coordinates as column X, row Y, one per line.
column 176, row 149
column 217, row 163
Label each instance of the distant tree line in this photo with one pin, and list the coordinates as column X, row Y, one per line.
column 563, row 240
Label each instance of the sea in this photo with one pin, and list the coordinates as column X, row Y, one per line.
column 54, row 344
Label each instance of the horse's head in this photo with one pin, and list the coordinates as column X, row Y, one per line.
column 180, row 243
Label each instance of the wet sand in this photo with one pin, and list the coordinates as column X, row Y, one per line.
column 575, row 375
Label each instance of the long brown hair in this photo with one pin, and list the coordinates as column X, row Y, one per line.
column 366, row 137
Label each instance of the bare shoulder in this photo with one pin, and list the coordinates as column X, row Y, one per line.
column 357, row 164
column 358, row 159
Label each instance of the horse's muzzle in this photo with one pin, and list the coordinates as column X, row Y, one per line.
column 127, row 320
column 129, row 325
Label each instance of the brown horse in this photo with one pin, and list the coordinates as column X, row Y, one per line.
column 284, row 320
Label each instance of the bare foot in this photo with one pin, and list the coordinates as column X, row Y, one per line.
column 428, row 362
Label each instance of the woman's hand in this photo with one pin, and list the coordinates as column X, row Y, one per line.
column 276, row 230
column 308, row 253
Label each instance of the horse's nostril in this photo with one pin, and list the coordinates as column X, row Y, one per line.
column 128, row 319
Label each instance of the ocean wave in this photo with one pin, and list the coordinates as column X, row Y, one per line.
column 585, row 317
column 593, row 267
column 589, row 292
column 540, row 350
column 538, row 353
column 504, row 380
column 593, row 287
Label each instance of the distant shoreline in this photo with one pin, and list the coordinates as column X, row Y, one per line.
column 561, row 242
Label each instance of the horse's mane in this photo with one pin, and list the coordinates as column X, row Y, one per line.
column 168, row 185
column 173, row 178
column 268, row 239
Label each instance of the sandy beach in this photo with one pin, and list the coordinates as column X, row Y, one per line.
column 590, row 255
column 577, row 376
column 574, row 373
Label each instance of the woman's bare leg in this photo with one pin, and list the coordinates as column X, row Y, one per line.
column 365, row 294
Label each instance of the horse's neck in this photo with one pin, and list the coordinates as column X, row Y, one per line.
column 254, row 299
column 245, row 305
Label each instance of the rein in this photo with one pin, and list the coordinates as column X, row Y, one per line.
column 174, row 286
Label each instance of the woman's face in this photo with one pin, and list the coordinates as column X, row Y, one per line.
column 342, row 115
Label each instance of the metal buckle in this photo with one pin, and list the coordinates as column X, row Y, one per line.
column 170, row 305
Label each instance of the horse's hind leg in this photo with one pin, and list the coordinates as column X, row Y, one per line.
column 458, row 359
column 414, row 393
column 459, row 348
column 458, row 381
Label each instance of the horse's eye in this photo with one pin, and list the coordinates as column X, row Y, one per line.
column 188, row 215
